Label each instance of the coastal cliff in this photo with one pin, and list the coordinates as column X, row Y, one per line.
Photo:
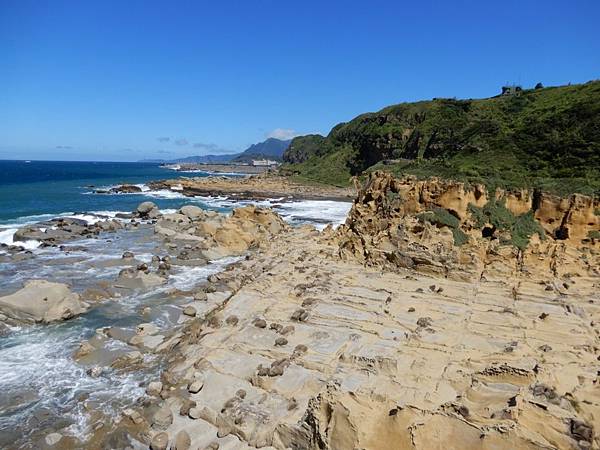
column 405, row 328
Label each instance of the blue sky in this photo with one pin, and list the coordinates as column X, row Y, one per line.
column 125, row 80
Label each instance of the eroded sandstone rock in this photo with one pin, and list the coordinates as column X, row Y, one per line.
column 42, row 301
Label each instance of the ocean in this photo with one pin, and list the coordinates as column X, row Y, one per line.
column 40, row 190
column 43, row 388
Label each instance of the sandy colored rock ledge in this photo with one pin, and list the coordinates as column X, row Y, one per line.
column 388, row 359
column 254, row 187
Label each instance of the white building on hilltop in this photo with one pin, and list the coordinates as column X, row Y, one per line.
column 264, row 162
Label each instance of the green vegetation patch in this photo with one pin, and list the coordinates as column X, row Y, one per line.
column 521, row 228
column 441, row 217
column 547, row 138
column 594, row 234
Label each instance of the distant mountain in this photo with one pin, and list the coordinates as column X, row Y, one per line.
column 208, row 159
column 198, row 159
column 270, row 149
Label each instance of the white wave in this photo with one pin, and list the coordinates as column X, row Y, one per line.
column 191, row 276
column 7, row 237
column 163, row 193
column 8, row 230
column 320, row 213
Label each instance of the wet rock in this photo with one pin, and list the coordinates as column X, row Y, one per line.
column 195, row 386
column 133, row 279
column 128, row 360
column 85, row 348
column 42, row 301
column 95, row 371
column 182, row 441
column 133, row 415
column 189, row 311
column 159, row 442
column 143, row 267
column 128, row 255
column 154, row 388
column 126, row 189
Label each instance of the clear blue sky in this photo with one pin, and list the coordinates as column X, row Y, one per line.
column 113, row 80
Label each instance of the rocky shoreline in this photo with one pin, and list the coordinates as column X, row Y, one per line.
column 405, row 328
column 256, row 187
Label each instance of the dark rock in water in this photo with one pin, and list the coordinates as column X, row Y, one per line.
column 126, row 189
column 124, row 216
column 128, row 255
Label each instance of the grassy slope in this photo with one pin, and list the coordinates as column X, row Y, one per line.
column 548, row 138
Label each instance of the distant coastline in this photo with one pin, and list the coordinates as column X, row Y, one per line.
column 229, row 169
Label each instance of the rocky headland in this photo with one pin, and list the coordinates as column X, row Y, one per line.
column 440, row 315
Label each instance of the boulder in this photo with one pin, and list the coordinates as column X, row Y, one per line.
column 154, row 388
column 147, row 210
column 192, row 212
column 135, row 279
column 42, row 301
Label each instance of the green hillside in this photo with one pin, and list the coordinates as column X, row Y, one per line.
column 547, row 137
